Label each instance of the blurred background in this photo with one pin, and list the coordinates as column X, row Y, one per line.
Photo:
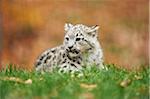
column 28, row 27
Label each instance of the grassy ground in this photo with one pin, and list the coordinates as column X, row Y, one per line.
column 112, row 84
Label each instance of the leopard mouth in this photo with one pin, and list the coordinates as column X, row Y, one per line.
column 73, row 52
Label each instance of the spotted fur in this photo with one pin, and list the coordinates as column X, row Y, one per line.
column 80, row 48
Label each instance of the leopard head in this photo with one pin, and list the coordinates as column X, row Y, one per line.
column 80, row 38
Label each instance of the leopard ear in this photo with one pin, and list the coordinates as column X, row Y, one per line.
column 93, row 31
column 95, row 28
column 67, row 26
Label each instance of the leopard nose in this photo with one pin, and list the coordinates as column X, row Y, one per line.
column 70, row 47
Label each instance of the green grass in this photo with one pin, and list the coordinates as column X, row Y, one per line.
column 95, row 84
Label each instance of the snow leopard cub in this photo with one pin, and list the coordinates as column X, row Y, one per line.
column 80, row 49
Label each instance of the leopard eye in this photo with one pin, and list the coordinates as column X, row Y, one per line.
column 67, row 38
column 78, row 39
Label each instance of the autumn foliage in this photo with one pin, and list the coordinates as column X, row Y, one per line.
column 31, row 26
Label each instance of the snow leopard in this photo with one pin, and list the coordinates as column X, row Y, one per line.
column 80, row 49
